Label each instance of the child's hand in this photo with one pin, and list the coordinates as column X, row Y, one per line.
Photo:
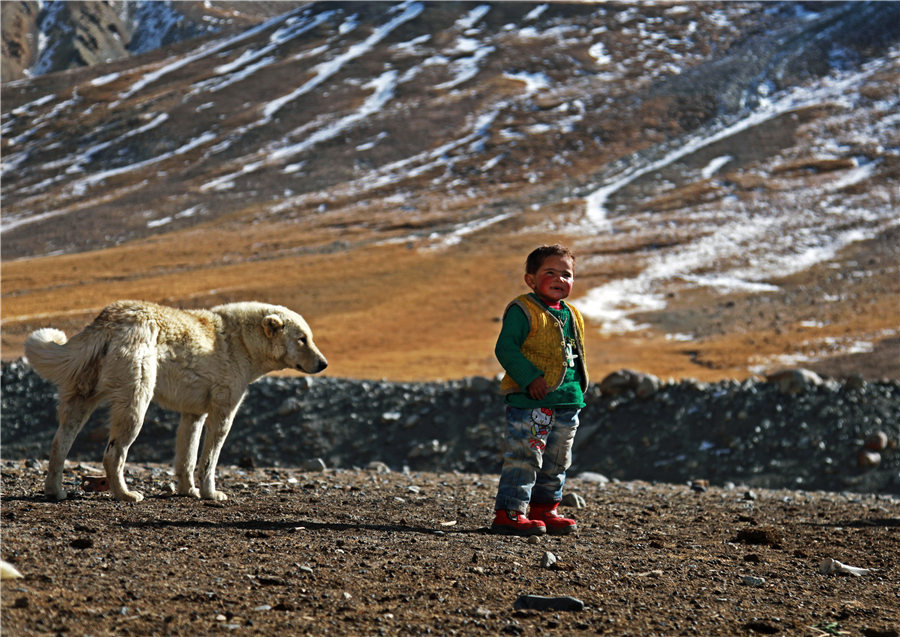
column 538, row 389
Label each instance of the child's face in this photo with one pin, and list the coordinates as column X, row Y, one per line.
column 553, row 280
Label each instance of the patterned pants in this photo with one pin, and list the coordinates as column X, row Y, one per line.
column 538, row 452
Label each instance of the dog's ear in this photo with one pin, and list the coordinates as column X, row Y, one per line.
column 272, row 324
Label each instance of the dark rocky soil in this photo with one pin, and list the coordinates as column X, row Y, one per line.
column 362, row 508
column 758, row 432
column 368, row 552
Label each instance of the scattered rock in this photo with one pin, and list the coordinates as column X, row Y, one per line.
column 763, row 535
column 539, row 602
column 592, row 476
column 647, row 386
column 548, row 560
column 269, row 580
column 626, row 380
column 290, row 406
column 284, row 606
column 314, row 465
column 868, row 459
column 876, row 441
column 94, row 484
column 854, row 382
column 699, row 486
column 795, row 381
column 753, row 580
column 573, row 500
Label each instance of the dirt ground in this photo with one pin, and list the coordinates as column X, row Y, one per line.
column 365, row 552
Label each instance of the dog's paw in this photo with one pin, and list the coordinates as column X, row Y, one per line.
column 218, row 496
column 130, row 496
column 187, row 489
column 56, row 496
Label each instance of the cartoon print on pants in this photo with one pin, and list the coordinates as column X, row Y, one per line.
column 541, row 419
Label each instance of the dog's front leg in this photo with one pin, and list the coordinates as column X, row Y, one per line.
column 186, row 444
column 217, row 428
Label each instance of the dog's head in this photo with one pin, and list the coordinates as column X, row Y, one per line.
column 291, row 341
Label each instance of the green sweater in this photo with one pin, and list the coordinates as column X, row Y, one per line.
column 509, row 352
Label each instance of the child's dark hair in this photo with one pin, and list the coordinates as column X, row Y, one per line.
column 537, row 256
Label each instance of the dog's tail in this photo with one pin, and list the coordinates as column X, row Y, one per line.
column 61, row 361
column 46, row 352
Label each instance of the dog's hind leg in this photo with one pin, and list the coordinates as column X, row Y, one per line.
column 74, row 410
column 125, row 424
column 186, row 445
column 127, row 407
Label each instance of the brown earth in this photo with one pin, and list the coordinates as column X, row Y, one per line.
column 389, row 311
column 362, row 552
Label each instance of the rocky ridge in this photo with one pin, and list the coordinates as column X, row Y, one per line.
column 47, row 37
column 791, row 430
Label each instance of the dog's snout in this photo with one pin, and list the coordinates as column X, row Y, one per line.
column 319, row 365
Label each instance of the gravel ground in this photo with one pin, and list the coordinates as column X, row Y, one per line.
column 362, row 508
column 369, row 552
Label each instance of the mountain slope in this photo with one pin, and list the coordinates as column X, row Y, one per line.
column 362, row 161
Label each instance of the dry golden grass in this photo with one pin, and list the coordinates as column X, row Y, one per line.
column 395, row 311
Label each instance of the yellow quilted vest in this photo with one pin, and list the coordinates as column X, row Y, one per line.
column 545, row 345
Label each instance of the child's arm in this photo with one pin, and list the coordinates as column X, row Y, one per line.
column 508, row 351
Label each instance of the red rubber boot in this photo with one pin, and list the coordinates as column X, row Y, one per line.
column 515, row 523
column 555, row 523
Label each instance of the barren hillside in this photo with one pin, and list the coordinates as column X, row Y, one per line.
column 726, row 172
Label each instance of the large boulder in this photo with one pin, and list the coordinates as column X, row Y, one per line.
column 626, row 380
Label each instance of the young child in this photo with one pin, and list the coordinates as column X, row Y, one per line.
column 541, row 347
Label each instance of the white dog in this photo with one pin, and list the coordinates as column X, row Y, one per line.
column 197, row 362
